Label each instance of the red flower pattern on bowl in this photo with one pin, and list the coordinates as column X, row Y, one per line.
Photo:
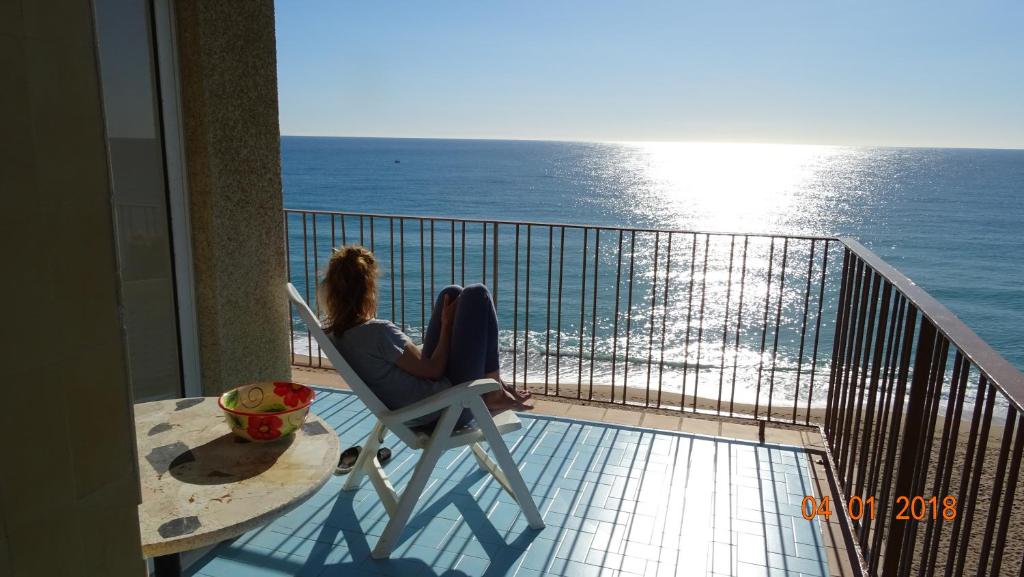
column 265, row 428
column 293, row 394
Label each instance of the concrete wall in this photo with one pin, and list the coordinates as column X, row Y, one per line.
column 227, row 56
column 68, row 483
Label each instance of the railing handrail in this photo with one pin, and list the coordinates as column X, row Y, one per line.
column 999, row 371
column 555, row 224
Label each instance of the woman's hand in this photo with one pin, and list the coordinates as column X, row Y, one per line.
column 448, row 311
column 413, row 362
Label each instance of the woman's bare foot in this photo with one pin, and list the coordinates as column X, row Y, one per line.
column 523, row 403
column 520, row 395
column 499, row 400
column 503, row 400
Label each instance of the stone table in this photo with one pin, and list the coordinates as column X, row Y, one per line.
column 201, row 484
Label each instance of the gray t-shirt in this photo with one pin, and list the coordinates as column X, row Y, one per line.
column 372, row 349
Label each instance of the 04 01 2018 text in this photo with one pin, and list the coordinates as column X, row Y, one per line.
column 916, row 508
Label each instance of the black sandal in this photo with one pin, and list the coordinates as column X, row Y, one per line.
column 350, row 455
column 347, row 460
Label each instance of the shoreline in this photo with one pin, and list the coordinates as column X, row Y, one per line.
column 669, row 401
column 638, row 399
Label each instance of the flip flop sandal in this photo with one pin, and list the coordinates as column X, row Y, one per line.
column 351, row 454
column 347, row 460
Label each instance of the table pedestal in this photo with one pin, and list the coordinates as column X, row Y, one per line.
column 167, row 565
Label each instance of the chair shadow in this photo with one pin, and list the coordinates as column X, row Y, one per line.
column 359, row 546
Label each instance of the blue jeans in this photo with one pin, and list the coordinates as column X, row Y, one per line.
column 474, row 346
column 473, row 351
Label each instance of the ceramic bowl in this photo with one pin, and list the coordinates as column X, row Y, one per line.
column 266, row 411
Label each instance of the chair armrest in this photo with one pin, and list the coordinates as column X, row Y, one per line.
column 446, row 398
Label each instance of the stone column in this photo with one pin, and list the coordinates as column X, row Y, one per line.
column 228, row 78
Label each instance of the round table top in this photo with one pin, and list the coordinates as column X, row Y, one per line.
column 202, row 485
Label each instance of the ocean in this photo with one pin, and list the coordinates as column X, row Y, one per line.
column 950, row 219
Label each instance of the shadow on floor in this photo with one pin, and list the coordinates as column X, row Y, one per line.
column 359, row 545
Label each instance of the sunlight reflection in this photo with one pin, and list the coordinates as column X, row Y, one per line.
column 736, row 187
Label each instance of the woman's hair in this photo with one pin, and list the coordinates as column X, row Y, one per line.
column 348, row 292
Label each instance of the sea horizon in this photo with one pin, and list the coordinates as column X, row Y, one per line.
column 570, row 140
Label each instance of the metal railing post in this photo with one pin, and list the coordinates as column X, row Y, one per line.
column 494, row 269
column 906, row 470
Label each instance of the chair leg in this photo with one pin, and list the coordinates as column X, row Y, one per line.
column 368, row 452
column 481, row 457
column 507, row 464
column 410, row 496
column 488, row 465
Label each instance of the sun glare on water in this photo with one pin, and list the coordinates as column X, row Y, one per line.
column 739, row 187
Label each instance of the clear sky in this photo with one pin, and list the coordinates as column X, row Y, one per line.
column 889, row 72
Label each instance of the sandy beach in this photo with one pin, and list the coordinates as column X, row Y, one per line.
column 642, row 399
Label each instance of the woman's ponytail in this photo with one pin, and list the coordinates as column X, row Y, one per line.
column 348, row 292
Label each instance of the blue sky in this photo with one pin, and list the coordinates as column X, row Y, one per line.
column 893, row 72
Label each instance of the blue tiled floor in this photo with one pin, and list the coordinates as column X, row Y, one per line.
column 618, row 501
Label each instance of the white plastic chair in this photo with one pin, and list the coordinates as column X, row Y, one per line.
column 444, row 436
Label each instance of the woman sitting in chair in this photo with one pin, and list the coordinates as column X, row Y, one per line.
column 461, row 343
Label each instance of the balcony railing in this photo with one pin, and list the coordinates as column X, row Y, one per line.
column 920, row 407
column 728, row 324
column 802, row 330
